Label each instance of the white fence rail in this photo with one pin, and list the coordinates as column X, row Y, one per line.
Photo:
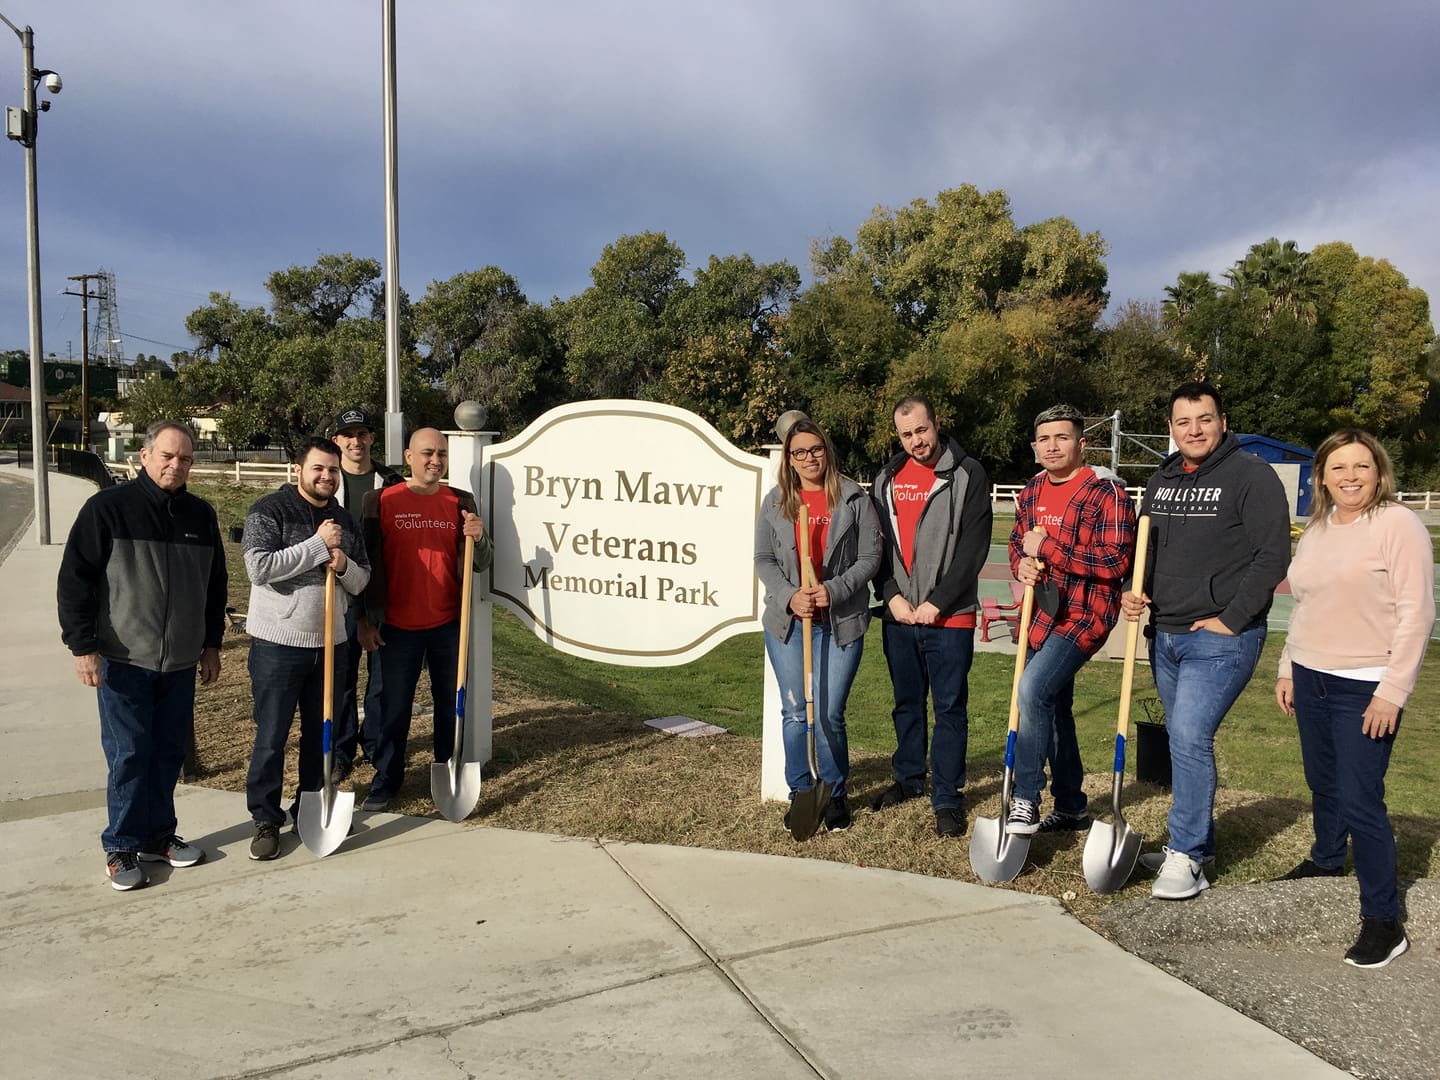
column 241, row 472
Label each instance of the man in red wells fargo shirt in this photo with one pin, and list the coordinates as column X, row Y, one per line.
column 934, row 506
column 415, row 536
column 1075, row 532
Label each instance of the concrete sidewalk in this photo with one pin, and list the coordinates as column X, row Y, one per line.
column 423, row 948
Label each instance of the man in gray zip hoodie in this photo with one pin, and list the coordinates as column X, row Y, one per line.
column 933, row 500
column 1219, row 544
column 293, row 536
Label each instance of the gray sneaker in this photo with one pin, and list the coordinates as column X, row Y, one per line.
column 173, row 850
column 266, row 844
column 124, row 872
column 1154, row 860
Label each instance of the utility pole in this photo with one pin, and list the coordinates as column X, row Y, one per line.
column 85, row 297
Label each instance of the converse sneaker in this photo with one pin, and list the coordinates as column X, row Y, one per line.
column 1154, row 860
column 124, row 871
column 266, row 844
column 1180, row 877
column 1024, row 819
column 1380, row 941
column 1055, row 821
column 172, row 850
column 837, row 815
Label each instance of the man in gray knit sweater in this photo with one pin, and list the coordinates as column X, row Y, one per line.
column 292, row 536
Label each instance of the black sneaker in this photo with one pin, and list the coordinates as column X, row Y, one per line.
column 950, row 821
column 785, row 822
column 1308, row 869
column 1024, row 818
column 837, row 815
column 1055, row 821
column 1380, row 941
column 340, row 770
column 266, row 844
column 893, row 795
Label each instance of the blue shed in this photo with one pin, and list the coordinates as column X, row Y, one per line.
column 1277, row 452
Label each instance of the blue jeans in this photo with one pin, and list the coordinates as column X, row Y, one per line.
column 282, row 678
column 348, row 733
column 404, row 654
column 145, row 719
column 931, row 661
column 1345, row 769
column 1198, row 677
column 1047, row 727
column 834, row 671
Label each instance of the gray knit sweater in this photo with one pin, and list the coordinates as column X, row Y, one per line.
column 286, row 563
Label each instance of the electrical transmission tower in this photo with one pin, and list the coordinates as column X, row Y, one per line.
column 106, row 345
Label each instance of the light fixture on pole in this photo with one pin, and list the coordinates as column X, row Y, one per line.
column 20, row 125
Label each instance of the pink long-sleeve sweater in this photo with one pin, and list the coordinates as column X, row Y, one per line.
column 1364, row 598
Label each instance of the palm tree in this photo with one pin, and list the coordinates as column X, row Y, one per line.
column 1189, row 289
column 1281, row 272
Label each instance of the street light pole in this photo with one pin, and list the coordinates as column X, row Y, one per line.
column 20, row 125
column 394, row 416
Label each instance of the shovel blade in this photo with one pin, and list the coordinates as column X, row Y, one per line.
column 455, row 795
column 996, row 855
column 1110, row 855
column 807, row 810
column 323, row 833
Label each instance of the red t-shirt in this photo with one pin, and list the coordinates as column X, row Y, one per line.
column 910, row 491
column 422, row 538
column 819, row 512
column 1055, row 499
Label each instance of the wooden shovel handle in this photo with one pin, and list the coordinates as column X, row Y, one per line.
column 1022, row 638
column 329, row 643
column 467, row 577
column 1132, row 631
column 807, row 578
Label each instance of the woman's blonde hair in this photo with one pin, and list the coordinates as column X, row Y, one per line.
column 790, row 479
column 1321, row 503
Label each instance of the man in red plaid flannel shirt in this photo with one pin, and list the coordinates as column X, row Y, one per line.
column 1074, row 539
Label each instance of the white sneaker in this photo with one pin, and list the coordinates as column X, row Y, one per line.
column 1180, row 878
column 1154, row 860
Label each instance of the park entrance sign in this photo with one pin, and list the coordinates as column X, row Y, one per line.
column 624, row 531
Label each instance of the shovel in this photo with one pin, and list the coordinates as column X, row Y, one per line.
column 808, row 807
column 1111, row 850
column 455, row 785
column 323, row 817
column 996, row 855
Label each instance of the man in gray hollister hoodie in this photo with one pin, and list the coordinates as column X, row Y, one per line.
column 933, row 501
column 1219, row 544
column 292, row 537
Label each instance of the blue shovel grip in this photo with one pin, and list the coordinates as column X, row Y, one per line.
column 1119, row 753
column 460, row 704
column 325, row 737
column 1010, row 750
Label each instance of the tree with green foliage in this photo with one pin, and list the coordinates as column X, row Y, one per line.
column 154, row 398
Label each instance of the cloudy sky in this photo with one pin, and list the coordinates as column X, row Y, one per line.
column 199, row 145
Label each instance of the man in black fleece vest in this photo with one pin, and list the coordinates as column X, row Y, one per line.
column 1219, row 544
column 142, row 604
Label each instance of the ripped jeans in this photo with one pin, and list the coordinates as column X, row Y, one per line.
column 834, row 670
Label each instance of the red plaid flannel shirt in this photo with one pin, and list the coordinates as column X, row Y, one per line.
column 1087, row 556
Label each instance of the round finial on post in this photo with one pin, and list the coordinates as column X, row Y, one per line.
column 470, row 416
column 787, row 421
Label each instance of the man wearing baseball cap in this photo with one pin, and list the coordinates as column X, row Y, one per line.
column 359, row 473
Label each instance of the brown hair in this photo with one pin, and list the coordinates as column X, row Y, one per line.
column 1321, row 504
column 790, row 480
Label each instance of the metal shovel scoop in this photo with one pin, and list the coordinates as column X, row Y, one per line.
column 323, row 817
column 455, row 784
column 996, row 855
column 1111, row 849
column 807, row 809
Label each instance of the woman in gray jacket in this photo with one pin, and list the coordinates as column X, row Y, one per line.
column 845, row 548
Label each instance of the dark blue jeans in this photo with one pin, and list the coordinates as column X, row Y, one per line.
column 145, row 719
column 405, row 653
column 1345, row 769
column 282, row 678
column 833, row 668
column 348, row 733
column 934, row 662
column 1047, row 727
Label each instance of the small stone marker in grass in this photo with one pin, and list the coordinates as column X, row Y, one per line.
column 683, row 726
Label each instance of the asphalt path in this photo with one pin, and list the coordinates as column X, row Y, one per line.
column 16, row 502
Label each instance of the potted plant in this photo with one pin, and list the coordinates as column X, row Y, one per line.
column 1152, row 744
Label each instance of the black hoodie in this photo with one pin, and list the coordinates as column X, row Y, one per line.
column 1219, row 539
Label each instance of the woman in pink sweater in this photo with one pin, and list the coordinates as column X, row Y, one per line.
column 1363, row 579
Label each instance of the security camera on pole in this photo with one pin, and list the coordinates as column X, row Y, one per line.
column 20, row 125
